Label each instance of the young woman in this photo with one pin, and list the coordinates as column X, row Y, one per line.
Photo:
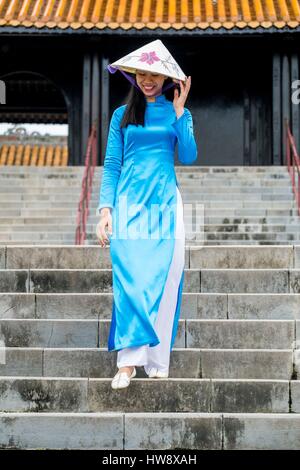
column 141, row 208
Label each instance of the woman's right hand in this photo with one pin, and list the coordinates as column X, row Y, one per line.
column 105, row 221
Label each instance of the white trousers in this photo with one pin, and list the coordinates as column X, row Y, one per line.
column 159, row 356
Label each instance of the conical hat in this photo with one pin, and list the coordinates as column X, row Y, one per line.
column 153, row 57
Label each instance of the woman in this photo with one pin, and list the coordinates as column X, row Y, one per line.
column 141, row 206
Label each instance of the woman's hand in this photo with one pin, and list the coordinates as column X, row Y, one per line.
column 105, row 221
column 179, row 100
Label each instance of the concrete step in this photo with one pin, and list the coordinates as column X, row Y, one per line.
column 41, row 204
column 195, row 280
column 188, row 218
column 90, row 395
column 190, row 237
column 273, row 364
column 199, row 236
column 198, row 306
column 188, row 244
column 39, row 185
column 189, row 224
column 199, row 257
column 149, row 431
column 188, row 197
column 232, row 242
column 186, row 169
column 231, row 177
column 204, row 334
column 209, row 211
column 71, row 190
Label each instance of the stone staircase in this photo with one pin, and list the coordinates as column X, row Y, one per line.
column 234, row 372
column 232, row 205
column 222, row 205
column 38, row 205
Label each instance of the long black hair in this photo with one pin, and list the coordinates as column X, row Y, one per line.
column 136, row 104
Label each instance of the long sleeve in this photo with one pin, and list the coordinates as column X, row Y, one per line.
column 187, row 147
column 112, row 162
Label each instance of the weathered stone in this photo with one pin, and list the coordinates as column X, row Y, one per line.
column 250, row 396
column 71, row 281
column 295, row 396
column 261, row 431
column 242, row 334
column 14, row 280
column 17, row 305
column 49, row 333
column 247, row 364
column 58, row 257
column 244, row 280
column 150, row 395
column 264, row 306
column 100, row 363
column 246, row 257
column 166, row 431
column 22, row 361
column 203, row 305
column 2, row 257
column 43, row 395
column 61, row 431
column 74, row 305
column 295, row 281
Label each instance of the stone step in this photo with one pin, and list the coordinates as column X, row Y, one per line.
column 204, row 334
column 188, row 197
column 239, row 176
column 204, row 305
column 197, row 188
column 229, row 212
column 150, row 431
column 48, row 176
column 275, row 364
column 225, row 242
column 195, row 280
column 189, row 224
column 188, row 169
column 196, row 257
column 198, row 237
column 231, row 169
column 189, row 243
column 188, row 218
column 191, row 237
column 216, row 204
column 25, row 171
column 90, row 395
column 36, row 184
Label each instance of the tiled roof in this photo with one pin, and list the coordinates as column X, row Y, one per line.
column 38, row 155
column 150, row 14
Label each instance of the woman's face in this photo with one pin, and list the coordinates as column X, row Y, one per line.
column 150, row 83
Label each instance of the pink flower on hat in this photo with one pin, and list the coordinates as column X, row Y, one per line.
column 149, row 57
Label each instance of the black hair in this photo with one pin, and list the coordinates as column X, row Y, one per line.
column 136, row 104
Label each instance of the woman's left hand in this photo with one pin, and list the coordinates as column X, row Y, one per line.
column 179, row 100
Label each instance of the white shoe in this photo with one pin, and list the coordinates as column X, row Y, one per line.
column 122, row 379
column 154, row 372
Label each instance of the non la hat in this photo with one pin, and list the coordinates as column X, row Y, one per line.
column 152, row 57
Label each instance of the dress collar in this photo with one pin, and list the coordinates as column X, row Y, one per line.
column 158, row 99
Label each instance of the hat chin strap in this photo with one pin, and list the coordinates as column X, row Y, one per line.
column 114, row 69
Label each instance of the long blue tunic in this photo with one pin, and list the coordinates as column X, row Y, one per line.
column 139, row 185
